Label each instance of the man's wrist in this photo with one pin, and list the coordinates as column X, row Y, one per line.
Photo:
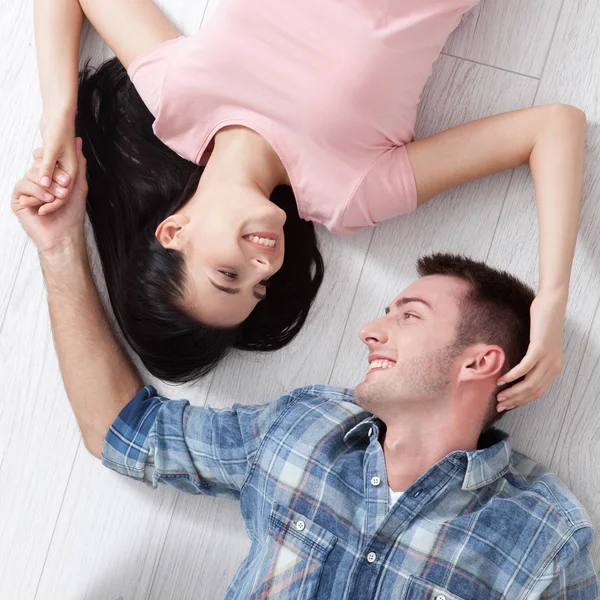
column 67, row 253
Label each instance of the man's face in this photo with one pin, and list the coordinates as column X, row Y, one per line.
column 412, row 348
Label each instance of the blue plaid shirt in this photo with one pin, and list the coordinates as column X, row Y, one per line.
column 310, row 474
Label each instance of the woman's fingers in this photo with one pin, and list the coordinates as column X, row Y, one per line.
column 60, row 176
column 46, row 170
column 54, row 189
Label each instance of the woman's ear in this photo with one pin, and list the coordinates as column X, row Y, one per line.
column 168, row 233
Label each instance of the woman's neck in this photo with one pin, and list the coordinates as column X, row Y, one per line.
column 242, row 156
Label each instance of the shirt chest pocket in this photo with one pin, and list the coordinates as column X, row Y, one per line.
column 420, row 589
column 292, row 559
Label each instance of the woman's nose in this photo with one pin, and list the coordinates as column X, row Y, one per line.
column 263, row 266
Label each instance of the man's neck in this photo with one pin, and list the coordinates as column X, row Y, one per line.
column 415, row 442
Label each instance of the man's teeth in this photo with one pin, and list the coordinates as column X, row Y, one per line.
column 381, row 364
column 263, row 241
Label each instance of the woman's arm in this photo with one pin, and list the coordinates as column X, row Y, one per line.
column 129, row 27
column 57, row 33
column 552, row 140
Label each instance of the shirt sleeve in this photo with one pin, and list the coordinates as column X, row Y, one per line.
column 387, row 190
column 148, row 71
column 195, row 449
column 574, row 578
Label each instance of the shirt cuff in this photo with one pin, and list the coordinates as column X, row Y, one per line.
column 127, row 447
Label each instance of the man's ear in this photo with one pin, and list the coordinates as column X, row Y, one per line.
column 168, row 233
column 482, row 361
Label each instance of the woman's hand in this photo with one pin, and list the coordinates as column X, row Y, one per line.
column 47, row 228
column 543, row 361
column 59, row 162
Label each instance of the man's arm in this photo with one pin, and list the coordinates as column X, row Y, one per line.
column 575, row 581
column 99, row 377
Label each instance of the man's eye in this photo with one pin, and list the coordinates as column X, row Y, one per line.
column 229, row 274
column 407, row 314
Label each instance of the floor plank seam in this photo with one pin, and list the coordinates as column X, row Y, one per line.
column 550, row 45
column 337, row 353
column 575, row 382
column 477, row 62
column 62, row 501
column 12, row 289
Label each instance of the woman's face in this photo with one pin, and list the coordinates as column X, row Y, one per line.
column 232, row 245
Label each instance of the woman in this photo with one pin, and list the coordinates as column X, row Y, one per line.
column 319, row 98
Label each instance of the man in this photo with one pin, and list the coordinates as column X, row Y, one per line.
column 398, row 490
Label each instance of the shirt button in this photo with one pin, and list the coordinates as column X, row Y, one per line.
column 371, row 557
column 440, row 597
column 375, row 481
column 300, row 525
column 370, row 431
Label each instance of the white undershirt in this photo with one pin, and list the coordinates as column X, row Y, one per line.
column 393, row 497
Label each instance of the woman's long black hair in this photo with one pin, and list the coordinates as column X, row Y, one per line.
column 135, row 182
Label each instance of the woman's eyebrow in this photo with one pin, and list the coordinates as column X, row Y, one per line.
column 235, row 290
column 225, row 289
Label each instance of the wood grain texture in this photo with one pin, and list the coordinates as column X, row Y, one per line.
column 71, row 530
column 509, row 34
column 565, row 439
column 20, row 106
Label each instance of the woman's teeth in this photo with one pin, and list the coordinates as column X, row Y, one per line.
column 263, row 241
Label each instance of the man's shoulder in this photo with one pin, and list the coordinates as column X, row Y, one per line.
column 307, row 404
column 537, row 482
column 322, row 393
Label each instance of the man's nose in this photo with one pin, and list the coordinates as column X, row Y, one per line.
column 373, row 333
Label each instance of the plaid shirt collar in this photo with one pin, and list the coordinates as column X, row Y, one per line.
column 482, row 466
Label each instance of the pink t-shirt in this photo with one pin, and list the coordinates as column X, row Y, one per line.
column 332, row 85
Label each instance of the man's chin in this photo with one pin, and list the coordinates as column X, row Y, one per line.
column 363, row 392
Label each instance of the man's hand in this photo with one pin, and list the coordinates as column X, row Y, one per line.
column 47, row 228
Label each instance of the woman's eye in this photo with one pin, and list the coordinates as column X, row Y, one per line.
column 229, row 274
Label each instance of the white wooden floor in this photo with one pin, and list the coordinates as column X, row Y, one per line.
column 71, row 529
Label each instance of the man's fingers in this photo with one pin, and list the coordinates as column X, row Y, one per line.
column 25, row 187
column 51, row 207
column 29, row 202
column 38, row 153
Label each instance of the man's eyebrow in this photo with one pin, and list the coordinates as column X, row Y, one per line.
column 235, row 290
column 407, row 300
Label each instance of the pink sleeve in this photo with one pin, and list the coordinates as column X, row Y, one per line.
column 387, row 190
column 147, row 71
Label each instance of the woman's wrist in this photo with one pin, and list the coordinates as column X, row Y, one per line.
column 557, row 294
column 59, row 115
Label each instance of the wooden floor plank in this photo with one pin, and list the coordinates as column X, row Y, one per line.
column 564, row 439
column 510, row 34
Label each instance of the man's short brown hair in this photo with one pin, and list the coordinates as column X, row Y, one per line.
column 496, row 310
